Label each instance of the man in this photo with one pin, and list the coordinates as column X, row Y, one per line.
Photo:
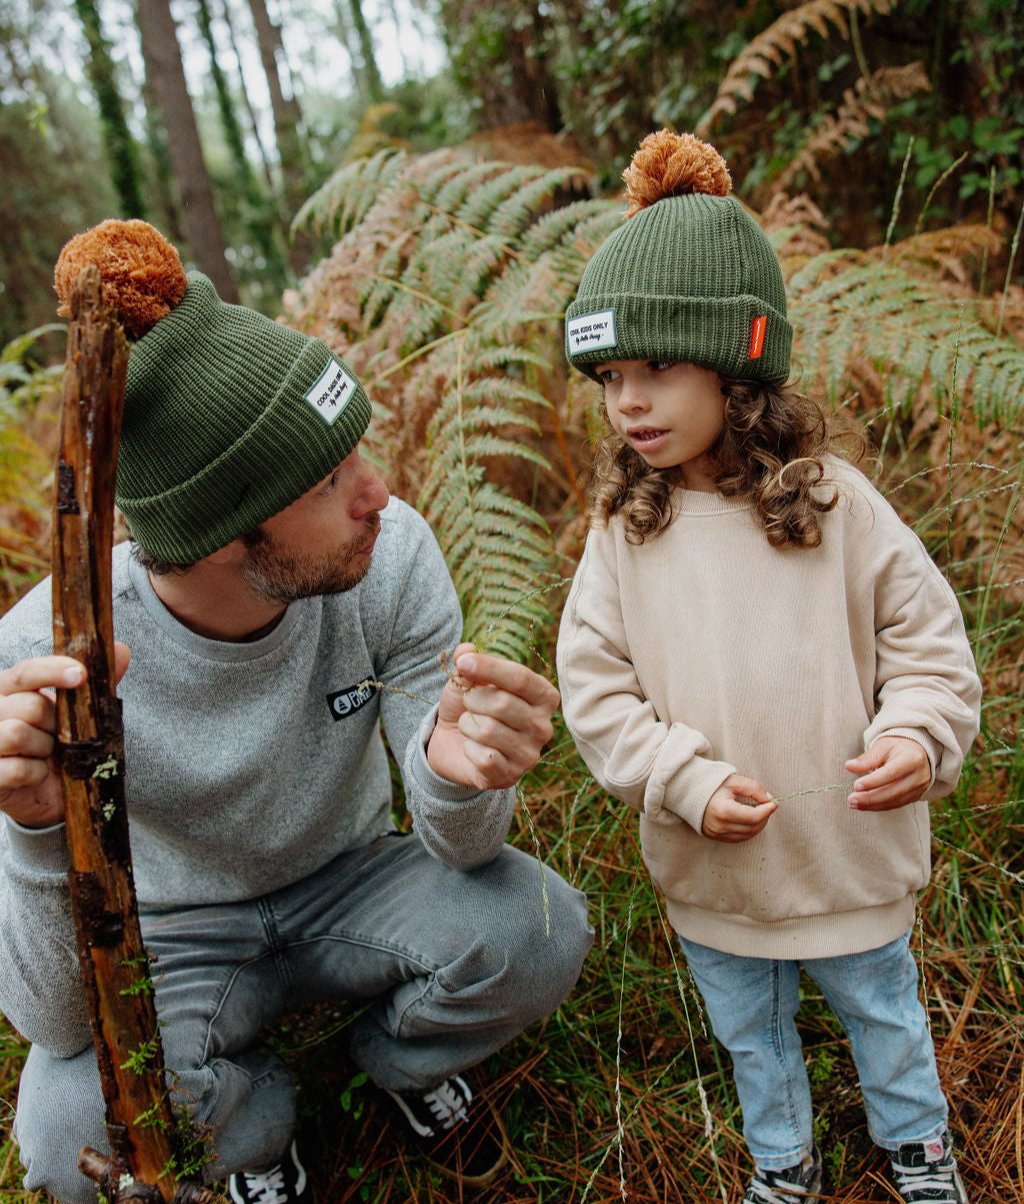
column 279, row 611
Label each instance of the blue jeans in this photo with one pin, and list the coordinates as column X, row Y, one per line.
column 452, row 965
column 752, row 1003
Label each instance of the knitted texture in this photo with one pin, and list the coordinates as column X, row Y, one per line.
column 687, row 278
column 143, row 279
column 229, row 417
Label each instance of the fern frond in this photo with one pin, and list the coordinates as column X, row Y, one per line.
column 497, row 551
column 778, row 44
column 847, row 308
column 952, row 252
column 343, row 200
column 520, row 209
column 553, row 228
column 795, row 227
column 461, row 271
column 451, row 194
column 872, row 97
column 483, row 201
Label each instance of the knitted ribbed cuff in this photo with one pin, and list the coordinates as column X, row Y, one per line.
column 739, row 337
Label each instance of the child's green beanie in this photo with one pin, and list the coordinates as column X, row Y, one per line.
column 229, row 416
column 689, row 277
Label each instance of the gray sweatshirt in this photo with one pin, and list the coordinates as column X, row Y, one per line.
column 249, row 765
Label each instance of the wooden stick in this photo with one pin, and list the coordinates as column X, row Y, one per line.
column 144, row 1158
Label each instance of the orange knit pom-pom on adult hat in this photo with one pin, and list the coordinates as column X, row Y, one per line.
column 690, row 277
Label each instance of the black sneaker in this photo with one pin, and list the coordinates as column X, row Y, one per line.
column 459, row 1136
column 795, row 1183
column 282, row 1184
column 926, row 1171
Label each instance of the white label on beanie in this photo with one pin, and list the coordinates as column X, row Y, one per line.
column 591, row 332
column 331, row 393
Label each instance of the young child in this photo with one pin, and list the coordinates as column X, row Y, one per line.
column 751, row 624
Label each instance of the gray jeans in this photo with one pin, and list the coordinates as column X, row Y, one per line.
column 452, row 965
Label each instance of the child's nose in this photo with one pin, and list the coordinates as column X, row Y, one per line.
column 631, row 398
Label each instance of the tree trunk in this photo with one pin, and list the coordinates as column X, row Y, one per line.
column 343, row 31
column 117, row 138
column 501, row 55
column 287, row 117
column 254, row 210
column 371, row 72
column 166, row 191
column 225, row 105
column 163, row 64
column 254, row 125
column 90, row 751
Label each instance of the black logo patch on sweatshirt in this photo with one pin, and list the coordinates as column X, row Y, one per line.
column 349, row 700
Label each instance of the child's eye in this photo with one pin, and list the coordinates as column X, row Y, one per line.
column 658, row 365
column 607, row 375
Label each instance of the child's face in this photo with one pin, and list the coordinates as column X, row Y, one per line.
column 670, row 413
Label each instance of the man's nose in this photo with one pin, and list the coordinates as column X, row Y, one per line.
column 373, row 494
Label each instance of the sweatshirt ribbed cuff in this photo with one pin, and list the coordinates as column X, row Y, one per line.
column 432, row 783
column 38, row 851
column 932, row 748
column 685, row 793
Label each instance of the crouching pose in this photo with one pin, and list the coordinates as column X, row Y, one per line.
column 280, row 613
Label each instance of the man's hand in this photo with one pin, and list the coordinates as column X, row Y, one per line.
column 738, row 810
column 896, row 772
column 493, row 721
column 30, row 788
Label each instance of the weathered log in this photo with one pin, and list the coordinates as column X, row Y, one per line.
column 90, row 751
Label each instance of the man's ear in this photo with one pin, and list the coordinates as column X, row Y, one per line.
column 228, row 554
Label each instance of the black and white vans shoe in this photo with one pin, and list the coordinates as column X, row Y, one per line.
column 459, row 1135
column 282, row 1184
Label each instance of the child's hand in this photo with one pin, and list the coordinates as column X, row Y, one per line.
column 896, row 772
column 738, row 810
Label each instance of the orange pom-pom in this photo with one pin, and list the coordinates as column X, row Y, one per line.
column 141, row 272
column 668, row 164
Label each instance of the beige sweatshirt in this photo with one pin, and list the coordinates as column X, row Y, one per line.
column 705, row 652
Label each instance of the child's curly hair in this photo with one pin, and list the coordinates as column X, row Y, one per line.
column 771, row 450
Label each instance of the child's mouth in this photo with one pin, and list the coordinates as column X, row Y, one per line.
column 645, row 435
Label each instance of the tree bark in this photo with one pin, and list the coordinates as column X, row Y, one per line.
column 120, row 145
column 254, row 125
column 225, row 105
column 90, row 751
column 166, row 194
column 162, row 53
column 287, row 116
column 371, row 72
column 500, row 52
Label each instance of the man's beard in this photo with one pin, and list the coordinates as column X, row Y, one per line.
column 280, row 576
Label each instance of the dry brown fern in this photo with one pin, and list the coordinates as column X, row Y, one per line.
column 776, row 45
column 797, row 226
column 869, row 97
column 952, row 253
column 446, row 292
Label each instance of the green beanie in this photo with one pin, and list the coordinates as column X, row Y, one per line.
column 689, row 277
column 229, row 416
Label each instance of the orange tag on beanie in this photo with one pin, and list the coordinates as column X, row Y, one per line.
column 757, row 333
